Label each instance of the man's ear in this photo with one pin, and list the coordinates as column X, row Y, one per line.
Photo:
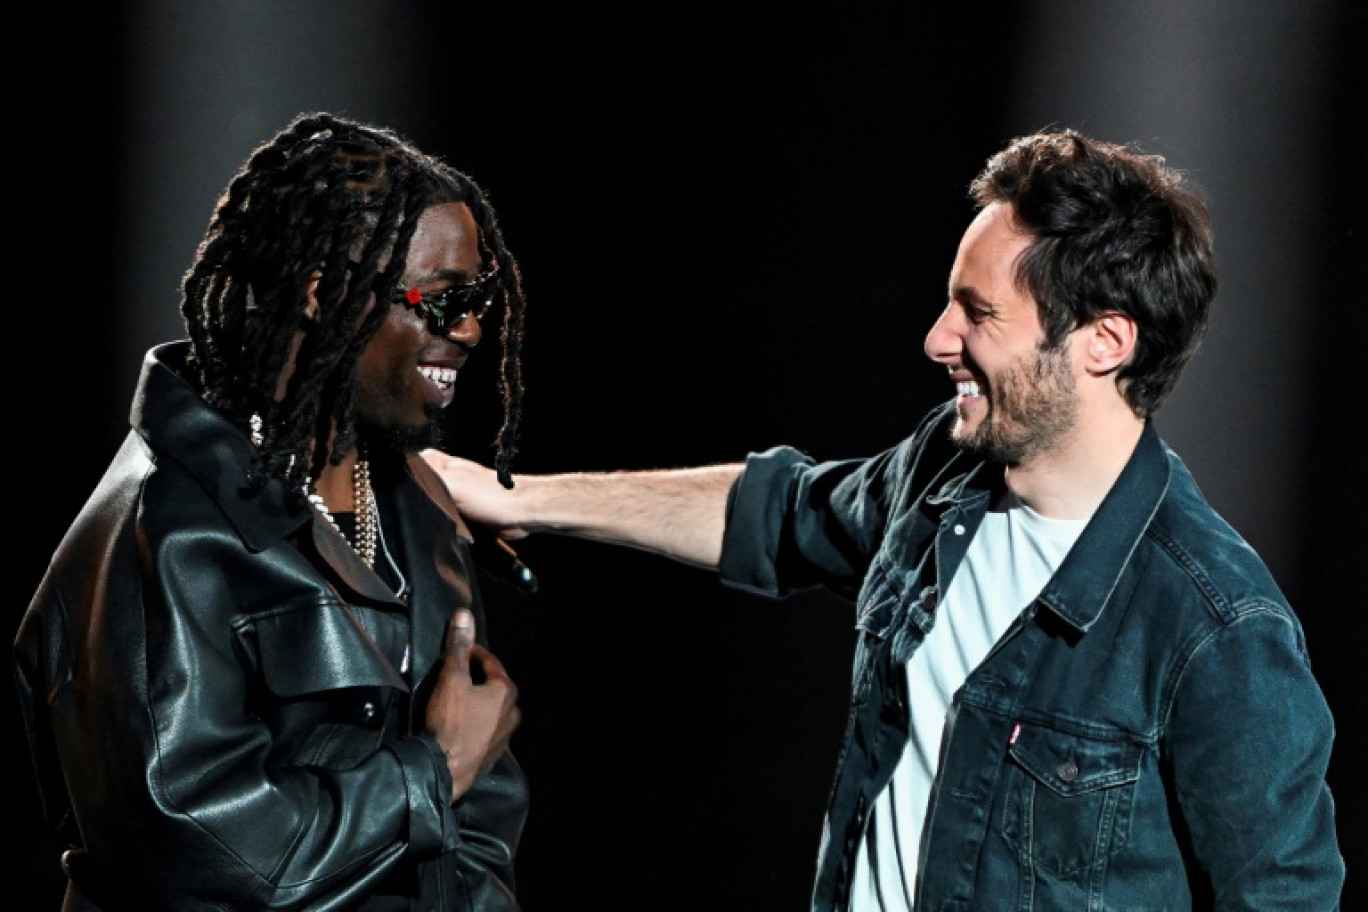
column 1110, row 342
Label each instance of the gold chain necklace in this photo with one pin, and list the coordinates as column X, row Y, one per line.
column 366, row 514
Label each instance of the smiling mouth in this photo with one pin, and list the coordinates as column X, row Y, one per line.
column 441, row 377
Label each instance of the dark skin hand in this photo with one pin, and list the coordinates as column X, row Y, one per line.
column 471, row 721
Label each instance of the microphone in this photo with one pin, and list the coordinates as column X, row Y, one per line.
column 498, row 557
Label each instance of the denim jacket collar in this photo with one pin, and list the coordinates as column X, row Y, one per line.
column 1086, row 579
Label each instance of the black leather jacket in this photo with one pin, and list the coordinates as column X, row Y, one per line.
column 225, row 705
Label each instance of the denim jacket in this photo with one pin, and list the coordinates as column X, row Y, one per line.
column 1146, row 735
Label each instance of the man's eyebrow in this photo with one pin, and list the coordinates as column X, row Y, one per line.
column 454, row 276
column 969, row 294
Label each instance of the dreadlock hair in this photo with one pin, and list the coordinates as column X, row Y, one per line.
column 339, row 200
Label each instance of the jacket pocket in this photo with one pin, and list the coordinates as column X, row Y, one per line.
column 317, row 646
column 1071, row 797
column 877, row 607
column 889, row 626
column 327, row 686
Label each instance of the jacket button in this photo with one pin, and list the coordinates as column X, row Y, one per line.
column 1067, row 771
column 368, row 711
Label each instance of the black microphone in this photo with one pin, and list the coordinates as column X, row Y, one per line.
column 498, row 557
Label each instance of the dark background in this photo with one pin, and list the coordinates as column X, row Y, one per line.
column 735, row 229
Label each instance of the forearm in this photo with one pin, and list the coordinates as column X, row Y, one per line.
column 677, row 513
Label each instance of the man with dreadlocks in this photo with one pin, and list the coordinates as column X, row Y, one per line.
column 254, row 675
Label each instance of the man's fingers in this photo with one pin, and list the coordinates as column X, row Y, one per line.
column 460, row 637
column 491, row 666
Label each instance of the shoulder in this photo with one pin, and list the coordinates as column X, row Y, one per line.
column 431, row 484
column 1203, row 548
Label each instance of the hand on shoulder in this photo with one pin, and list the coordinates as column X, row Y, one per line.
column 476, row 491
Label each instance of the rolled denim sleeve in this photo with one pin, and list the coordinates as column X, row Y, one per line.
column 757, row 513
column 794, row 524
column 1250, row 736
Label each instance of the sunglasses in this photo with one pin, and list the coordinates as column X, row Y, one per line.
column 448, row 308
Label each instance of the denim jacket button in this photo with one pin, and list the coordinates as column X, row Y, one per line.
column 1067, row 771
column 959, row 529
column 368, row 711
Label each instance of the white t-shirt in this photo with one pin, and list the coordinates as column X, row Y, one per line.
column 1012, row 557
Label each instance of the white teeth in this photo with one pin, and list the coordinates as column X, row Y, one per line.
column 967, row 388
column 442, row 376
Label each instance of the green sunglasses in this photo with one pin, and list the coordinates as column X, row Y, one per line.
column 449, row 307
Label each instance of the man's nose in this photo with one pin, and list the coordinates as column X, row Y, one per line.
column 467, row 331
column 943, row 343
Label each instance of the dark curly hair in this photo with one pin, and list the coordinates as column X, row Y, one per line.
column 1113, row 229
column 328, row 197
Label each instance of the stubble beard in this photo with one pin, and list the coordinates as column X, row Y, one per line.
column 404, row 438
column 1033, row 406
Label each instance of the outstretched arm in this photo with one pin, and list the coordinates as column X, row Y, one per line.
column 678, row 513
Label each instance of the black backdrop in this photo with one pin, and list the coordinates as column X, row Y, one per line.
column 735, row 231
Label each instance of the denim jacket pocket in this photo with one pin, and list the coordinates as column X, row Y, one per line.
column 1070, row 798
column 876, row 612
